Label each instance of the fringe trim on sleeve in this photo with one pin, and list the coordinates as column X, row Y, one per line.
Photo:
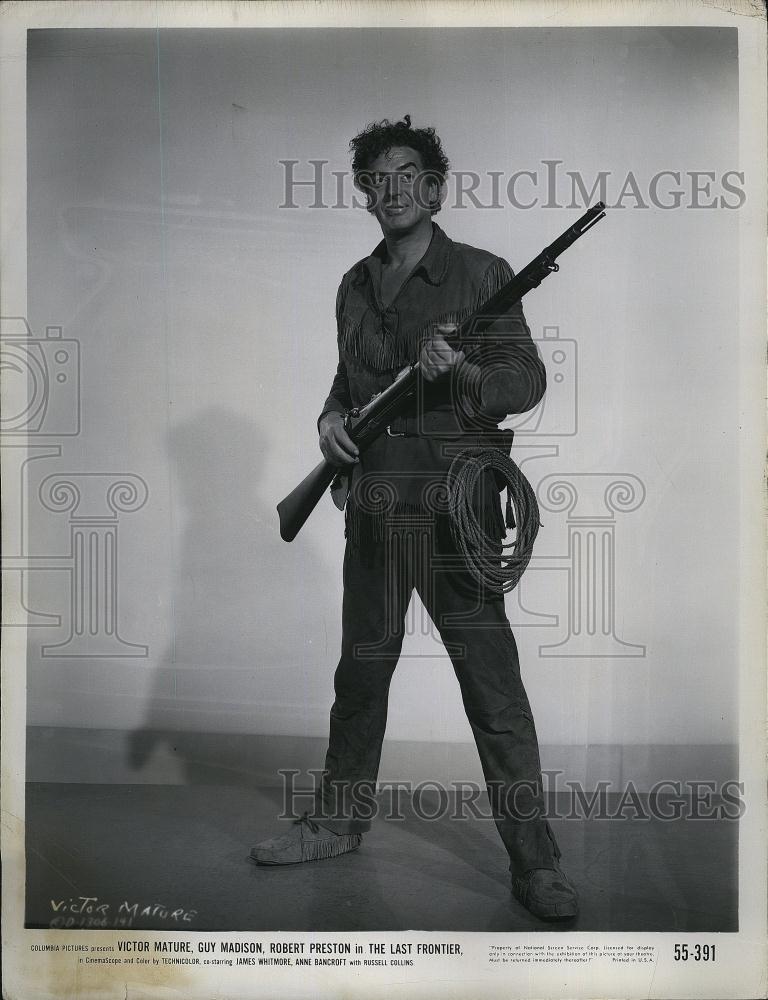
column 382, row 352
column 498, row 274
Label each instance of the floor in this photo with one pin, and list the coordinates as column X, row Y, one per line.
column 172, row 856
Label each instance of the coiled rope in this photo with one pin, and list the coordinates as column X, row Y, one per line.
column 493, row 566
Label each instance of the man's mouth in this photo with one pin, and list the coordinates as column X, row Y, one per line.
column 394, row 209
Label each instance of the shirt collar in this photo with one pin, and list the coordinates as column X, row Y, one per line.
column 433, row 265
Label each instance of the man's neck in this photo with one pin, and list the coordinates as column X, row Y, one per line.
column 407, row 249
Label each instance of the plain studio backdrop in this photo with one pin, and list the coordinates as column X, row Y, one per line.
column 204, row 317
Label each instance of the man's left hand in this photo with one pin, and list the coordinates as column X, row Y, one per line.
column 437, row 357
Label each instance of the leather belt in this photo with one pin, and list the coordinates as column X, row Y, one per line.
column 432, row 422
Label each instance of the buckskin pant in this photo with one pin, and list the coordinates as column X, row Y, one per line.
column 378, row 583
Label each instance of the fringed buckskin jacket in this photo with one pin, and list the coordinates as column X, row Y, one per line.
column 400, row 475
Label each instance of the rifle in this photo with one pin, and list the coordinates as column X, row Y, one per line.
column 366, row 423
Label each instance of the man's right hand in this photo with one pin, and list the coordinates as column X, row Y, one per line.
column 335, row 444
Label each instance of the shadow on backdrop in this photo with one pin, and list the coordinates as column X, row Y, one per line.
column 250, row 647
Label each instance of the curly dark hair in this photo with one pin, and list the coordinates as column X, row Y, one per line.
column 379, row 137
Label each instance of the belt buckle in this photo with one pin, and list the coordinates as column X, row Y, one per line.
column 394, row 434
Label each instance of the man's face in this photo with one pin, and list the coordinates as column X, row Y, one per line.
column 399, row 190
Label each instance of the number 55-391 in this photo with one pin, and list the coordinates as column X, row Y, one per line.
column 698, row 952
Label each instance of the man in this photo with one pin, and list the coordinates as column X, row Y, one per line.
column 400, row 304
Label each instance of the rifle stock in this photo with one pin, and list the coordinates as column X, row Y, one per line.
column 294, row 510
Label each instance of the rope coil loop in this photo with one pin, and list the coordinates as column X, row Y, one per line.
column 497, row 567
